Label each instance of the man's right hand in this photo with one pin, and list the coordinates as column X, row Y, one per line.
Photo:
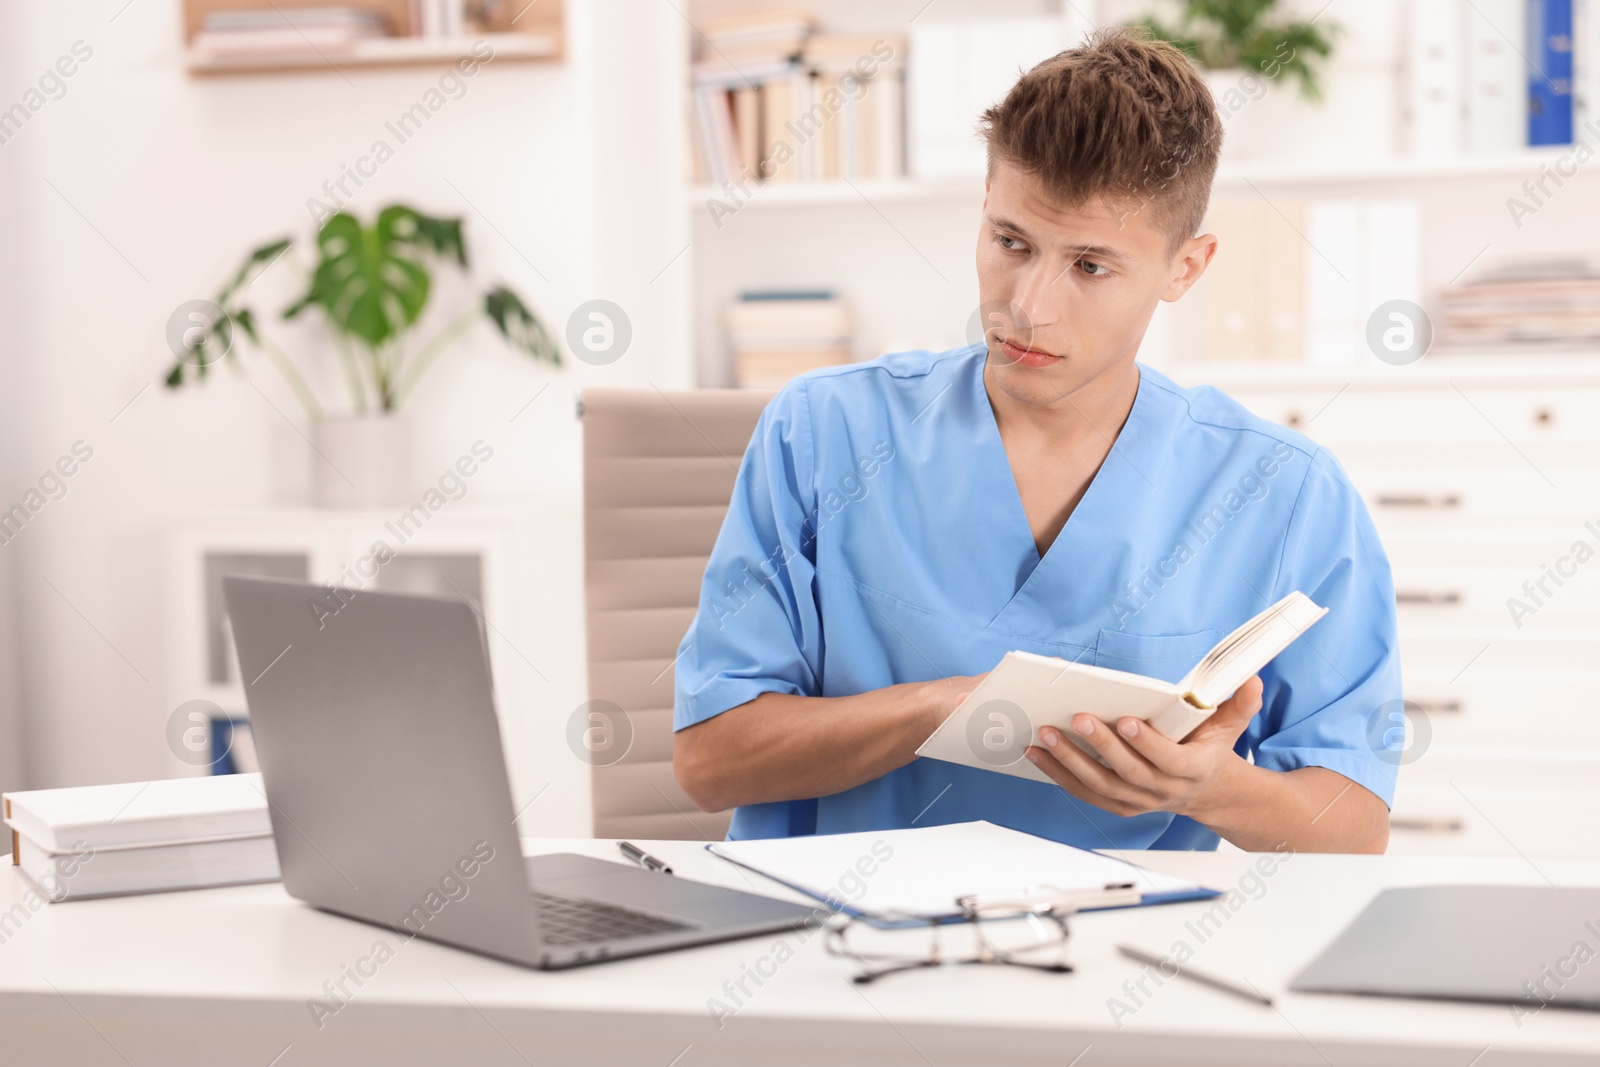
column 946, row 694
column 780, row 746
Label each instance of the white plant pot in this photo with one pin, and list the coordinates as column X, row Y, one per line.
column 1270, row 119
column 361, row 461
column 1242, row 98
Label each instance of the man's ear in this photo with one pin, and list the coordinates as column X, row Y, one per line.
column 1190, row 262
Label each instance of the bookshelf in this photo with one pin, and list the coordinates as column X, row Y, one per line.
column 517, row 33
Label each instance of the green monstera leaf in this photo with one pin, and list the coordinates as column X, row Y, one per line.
column 519, row 326
column 372, row 282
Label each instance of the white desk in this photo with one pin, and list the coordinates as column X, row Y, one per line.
column 223, row 977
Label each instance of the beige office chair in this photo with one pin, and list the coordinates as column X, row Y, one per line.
column 658, row 470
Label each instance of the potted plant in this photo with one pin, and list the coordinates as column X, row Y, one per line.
column 1245, row 47
column 369, row 288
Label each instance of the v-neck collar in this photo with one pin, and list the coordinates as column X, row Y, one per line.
column 1129, row 467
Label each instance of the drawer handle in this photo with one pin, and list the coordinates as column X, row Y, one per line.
column 1437, row 707
column 1431, row 501
column 1422, row 596
column 1428, row 826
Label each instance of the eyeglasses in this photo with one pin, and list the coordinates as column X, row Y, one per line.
column 997, row 937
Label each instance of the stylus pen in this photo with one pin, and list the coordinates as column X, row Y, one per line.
column 643, row 858
column 1169, row 967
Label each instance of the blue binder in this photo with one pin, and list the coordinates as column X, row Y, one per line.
column 1550, row 77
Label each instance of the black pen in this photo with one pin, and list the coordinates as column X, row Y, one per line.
column 643, row 858
column 1170, row 967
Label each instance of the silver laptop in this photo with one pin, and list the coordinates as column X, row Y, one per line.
column 374, row 722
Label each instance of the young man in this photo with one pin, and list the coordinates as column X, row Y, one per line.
column 901, row 524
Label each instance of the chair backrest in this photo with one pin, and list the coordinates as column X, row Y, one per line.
column 658, row 471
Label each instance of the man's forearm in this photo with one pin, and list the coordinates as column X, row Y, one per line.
column 785, row 747
column 1312, row 809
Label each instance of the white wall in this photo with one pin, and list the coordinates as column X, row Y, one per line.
column 17, row 366
column 142, row 187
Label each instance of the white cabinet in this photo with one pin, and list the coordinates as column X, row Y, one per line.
column 1483, row 479
column 464, row 554
column 478, row 553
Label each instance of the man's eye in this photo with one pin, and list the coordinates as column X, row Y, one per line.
column 1094, row 270
column 1010, row 244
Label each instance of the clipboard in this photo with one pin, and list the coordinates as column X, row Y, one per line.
column 920, row 876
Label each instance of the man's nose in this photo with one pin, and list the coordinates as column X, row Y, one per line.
column 1036, row 296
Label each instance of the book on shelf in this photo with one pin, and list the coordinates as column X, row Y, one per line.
column 1499, row 75
column 448, row 19
column 815, row 314
column 957, row 69
column 776, row 335
column 1586, row 70
column 757, row 34
column 255, row 33
column 1550, row 54
column 1272, row 294
column 758, row 368
column 1254, row 290
column 434, row 19
column 813, row 107
column 1494, row 94
column 1527, row 302
column 137, row 837
column 1435, row 39
column 1358, row 255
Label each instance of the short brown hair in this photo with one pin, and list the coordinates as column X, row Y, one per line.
column 1123, row 116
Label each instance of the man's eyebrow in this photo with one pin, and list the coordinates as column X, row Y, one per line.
column 1077, row 251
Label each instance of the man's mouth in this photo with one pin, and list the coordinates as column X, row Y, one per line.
column 1028, row 355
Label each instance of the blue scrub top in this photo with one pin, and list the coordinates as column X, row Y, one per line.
column 875, row 536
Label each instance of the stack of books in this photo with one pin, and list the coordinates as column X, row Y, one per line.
column 775, row 101
column 142, row 837
column 284, row 32
column 1549, row 302
column 777, row 335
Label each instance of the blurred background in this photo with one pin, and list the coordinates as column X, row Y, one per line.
column 528, row 200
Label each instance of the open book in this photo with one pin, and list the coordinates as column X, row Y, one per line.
column 1001, row 717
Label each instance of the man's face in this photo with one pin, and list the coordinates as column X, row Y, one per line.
column 1067, row 291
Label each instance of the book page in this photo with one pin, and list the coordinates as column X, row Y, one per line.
column 1249, row 648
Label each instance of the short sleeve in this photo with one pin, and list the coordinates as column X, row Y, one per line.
column 757, row 628
column 1325, row 692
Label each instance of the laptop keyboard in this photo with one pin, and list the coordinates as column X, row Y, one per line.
column 571, row 921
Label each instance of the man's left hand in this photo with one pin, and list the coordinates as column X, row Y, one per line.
column 1144, row 771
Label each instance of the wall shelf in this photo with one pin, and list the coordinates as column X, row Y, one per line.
column 1510, row 366
column 1345, row 171
column 1231, row 177
column 780, row 194
column 389, row 52
column 534, row 34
